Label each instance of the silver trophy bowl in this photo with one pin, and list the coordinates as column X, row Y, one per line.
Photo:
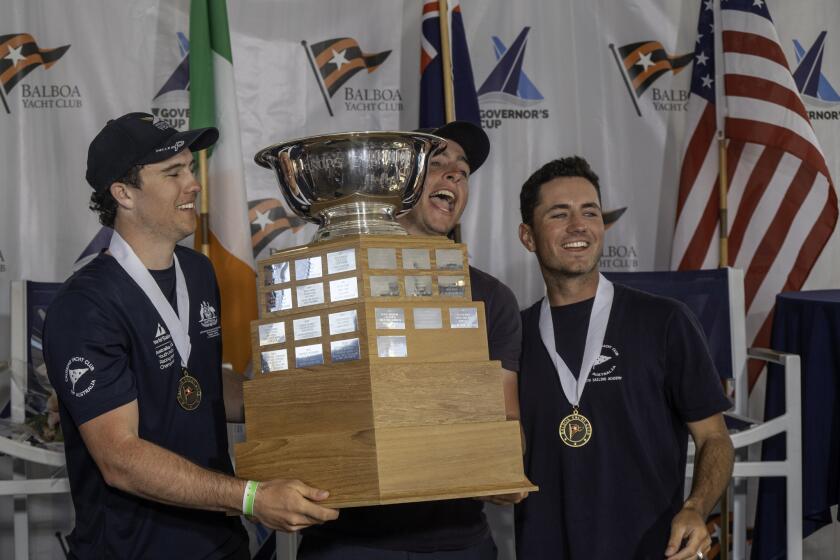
column 352, row 182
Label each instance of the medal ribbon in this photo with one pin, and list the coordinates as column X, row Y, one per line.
column 178, row 325
column 598, row 319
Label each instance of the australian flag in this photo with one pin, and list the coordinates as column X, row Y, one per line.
column 432, row 112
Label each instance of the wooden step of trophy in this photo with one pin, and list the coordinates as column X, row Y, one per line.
column 371, row 432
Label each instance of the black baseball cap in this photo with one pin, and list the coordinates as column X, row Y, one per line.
column 138, row 139
column 472, row 139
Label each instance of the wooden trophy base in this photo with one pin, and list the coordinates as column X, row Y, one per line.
column 374, row 381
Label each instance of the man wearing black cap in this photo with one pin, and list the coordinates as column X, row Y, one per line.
column 132, row 344
column 453, row 529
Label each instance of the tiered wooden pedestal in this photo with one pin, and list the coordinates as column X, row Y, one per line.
column 373, row 379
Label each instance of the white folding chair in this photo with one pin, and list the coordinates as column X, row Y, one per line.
column 22, row 453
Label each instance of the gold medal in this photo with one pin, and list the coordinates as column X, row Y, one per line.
column 575, row 429
column 189, row 391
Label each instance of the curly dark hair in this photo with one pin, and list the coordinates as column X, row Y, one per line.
column 572, row 166
column 102, row 202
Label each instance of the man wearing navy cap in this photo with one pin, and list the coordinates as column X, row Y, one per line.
column 132, row 344
column 452, row 529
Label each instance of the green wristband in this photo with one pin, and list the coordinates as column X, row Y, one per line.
column 249, row 496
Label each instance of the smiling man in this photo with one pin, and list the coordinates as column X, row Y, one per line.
column 137, row 369
column 454, row 529
column 610, row 460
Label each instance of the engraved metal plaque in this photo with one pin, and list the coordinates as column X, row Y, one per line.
column 384, row 286
column 308, row 268
column 307, row 327
column 345, row 350
column 418, row 285
column 463, row 317
column 343, row 322
column 341, row 261
column 427, row 318
column 276, row 273
column 311, row 355
column 278, row 300
column 391, row 346
column 311, row 294
column 344, row 289
column 272, row 333
column 382, row 258
column 390, row 318
column 416, row 259
column 452, row 286
column 274, row 360
column 449, row 259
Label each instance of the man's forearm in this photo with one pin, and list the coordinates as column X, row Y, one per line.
column 712, row 471
column 147, row 470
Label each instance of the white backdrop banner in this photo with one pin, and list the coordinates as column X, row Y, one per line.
column 320, row 66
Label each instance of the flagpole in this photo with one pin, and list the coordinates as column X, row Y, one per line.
column 204, row 216
column 720, row 133
column 446, row 61
column 626, row 80
column 3, row 97
column 723, row 219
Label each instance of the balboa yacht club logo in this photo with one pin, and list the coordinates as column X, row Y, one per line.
column 78, row 373
column 642, row 64
column 815, row 88
column 335, row 61
column 269, row 219
column 172, row 103
column 19, row 56
column 507, row 84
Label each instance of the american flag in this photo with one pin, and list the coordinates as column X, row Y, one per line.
column 782, row 203
column 432, row 112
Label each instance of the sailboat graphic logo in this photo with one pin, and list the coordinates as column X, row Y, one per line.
column 508, row 83
column 808, row 76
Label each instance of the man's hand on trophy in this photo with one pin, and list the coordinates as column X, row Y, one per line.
column 289, row 505
column 505, row 499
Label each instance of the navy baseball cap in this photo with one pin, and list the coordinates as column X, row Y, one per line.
column 138, row 139
column 472, row 139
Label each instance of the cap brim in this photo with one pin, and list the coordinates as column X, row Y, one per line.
column 470, row 137
column 194, row 140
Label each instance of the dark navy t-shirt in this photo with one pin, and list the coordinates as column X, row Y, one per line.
column 614, row 497
column 441, row 525
column 105, row 345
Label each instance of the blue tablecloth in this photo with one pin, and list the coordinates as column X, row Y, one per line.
column 808, row 324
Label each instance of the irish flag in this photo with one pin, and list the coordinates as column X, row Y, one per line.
column 213, row 103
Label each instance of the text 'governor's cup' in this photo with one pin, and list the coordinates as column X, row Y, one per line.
column 352, row 183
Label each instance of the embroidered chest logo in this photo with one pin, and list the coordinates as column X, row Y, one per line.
column 209, row 319
column 604, row 368
column 164, row 347
column 78, row 373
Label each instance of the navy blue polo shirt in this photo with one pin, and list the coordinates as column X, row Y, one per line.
column 440, row 525
column 614, row 497
column 105, row 345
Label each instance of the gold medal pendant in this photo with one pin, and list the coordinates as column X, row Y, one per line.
column 575, row 429
column 189, row 391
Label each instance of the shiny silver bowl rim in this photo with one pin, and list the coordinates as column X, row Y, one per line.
column 260, row 157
